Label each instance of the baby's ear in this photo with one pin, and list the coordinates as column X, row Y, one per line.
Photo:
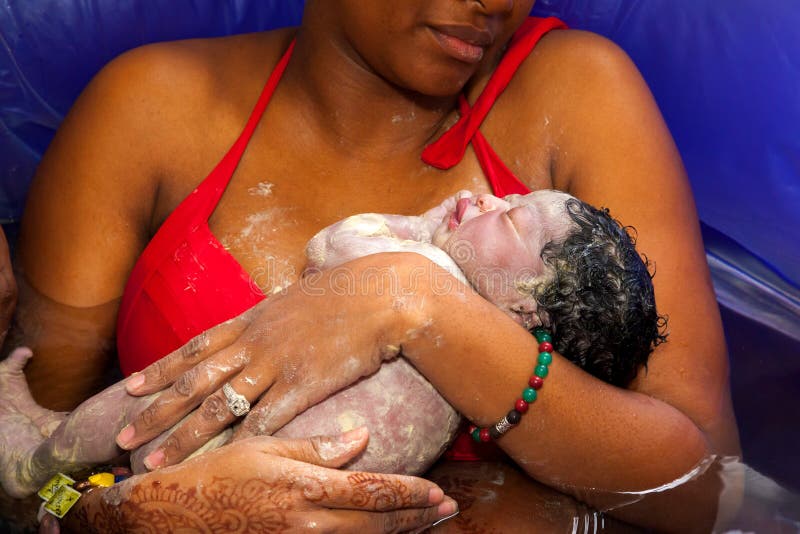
column 525, row 312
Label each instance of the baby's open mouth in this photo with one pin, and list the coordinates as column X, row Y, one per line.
column 461, row 208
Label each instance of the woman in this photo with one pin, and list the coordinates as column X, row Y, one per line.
column 366, row 87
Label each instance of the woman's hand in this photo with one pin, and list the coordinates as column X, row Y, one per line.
column 265, row 484
column 287, row 353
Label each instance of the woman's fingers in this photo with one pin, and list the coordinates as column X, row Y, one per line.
column 200, row 385
column 279, row 484
column 410, row 520
column 279, row 405
column 215, row 414
column 168, row 369
column 332, row 488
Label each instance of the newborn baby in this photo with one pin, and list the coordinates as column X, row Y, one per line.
column 544, row 258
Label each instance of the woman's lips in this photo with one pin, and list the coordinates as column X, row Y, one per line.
column 464, row 43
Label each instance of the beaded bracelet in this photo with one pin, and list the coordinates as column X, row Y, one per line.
column 529, row 394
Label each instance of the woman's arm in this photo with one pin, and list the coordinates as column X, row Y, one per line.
column 87, row 218
column 616, row 152
column 611, row 148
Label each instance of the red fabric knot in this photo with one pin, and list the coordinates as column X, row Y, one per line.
column 449, row 149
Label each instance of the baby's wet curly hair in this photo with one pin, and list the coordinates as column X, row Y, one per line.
column 599, row 301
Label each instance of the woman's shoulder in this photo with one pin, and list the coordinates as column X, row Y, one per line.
column 571, row 87
column 568, row 69
column 145, row 131
column 575, row 57
column 178, row 75
column 169, row 110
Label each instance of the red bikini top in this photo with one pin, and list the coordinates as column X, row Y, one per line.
column 185, row 281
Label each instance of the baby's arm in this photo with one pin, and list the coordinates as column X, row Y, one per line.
column 371, row 233
column 37, row 442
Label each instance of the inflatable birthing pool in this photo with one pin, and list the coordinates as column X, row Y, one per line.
column 726, row 76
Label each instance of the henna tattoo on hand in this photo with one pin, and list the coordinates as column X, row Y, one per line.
column 382, row 493
column 223, row 505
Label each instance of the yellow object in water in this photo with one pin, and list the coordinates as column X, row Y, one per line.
column 104, row 480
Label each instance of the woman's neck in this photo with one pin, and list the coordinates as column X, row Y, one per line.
column 353, row 106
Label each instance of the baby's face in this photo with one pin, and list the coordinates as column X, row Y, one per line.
column 498, row 243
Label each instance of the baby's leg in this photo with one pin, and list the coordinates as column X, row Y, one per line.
column 409, row 423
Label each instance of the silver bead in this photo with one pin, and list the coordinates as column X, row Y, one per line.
column 503, row 426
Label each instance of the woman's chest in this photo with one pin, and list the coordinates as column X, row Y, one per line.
column 279, row 197
column 269, row 212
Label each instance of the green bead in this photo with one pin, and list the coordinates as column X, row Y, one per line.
column 529, row 395
column 541, row 371
column 476, row 434
column 544, row 337
column 545, row 358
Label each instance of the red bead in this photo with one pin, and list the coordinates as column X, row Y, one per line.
column 472, row 428
column 545, row 346
column 535, row 382
column 521, row 406
column 485, row 435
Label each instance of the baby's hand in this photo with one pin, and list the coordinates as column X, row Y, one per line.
column 348, row 239
column 25, row 426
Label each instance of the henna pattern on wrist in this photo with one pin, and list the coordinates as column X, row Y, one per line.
column 224, row 505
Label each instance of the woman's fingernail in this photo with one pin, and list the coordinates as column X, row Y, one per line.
column 154, row 460
column 357, row 434
column 435, row 496
column 447, row 510
column 135, row 381
column 125, row 436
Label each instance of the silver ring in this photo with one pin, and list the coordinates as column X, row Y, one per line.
column 237, row 404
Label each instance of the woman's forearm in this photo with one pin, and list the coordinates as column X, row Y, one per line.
column 483, row 362
column 581, row 435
